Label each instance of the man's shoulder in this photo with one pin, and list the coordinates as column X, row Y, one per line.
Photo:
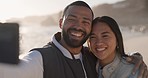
column 87, row 52
column 44, row 48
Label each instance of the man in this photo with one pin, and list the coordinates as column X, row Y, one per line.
column 64, row 52
column 64, row 56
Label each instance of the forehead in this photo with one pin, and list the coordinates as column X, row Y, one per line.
column 80, row 11
column 101, row 27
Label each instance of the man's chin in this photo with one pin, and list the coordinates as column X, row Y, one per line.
column 75, row 44
column 77, row 39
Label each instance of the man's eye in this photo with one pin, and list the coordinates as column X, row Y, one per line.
column 86, row 22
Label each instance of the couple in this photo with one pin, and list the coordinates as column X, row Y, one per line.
column 65, row 56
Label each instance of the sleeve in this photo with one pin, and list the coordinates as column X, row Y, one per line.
column 134, row 76
column 30, row 66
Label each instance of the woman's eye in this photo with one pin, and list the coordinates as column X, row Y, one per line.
column 71, row 19
column 92, row 37
column 105, row 36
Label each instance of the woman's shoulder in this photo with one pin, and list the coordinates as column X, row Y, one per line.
column 124, row 69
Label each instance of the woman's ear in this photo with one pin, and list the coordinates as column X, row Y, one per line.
column 60, row 23
column 117, row 46
column 88, row 44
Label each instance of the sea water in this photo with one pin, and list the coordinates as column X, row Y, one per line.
column 35, row 36
column 38, row 36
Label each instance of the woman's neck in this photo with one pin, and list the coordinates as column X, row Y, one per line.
column 107, row 60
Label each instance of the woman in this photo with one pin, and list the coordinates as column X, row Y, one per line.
column 106, row 43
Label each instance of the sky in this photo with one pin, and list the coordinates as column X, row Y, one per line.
column 22, row 8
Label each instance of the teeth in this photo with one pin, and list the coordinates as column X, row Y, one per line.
column 76, row 34
column 100, row 49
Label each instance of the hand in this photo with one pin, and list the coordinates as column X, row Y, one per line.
column 137, row 59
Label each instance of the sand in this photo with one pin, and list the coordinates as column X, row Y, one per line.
column 138, row 44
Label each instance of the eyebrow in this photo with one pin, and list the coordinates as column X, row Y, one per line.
column 101, row 33
column 106, row 32
column 72, row 16
column 83, row 17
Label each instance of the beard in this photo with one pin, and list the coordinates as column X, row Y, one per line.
column 73, row 42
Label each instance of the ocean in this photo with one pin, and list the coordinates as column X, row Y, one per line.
column 35, row 36
column 38, row 36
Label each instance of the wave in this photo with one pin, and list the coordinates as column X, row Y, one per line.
column 38, row 36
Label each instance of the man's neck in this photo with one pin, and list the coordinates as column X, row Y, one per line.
column 72, row 50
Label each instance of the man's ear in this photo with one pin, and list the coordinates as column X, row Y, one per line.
column 60, row 22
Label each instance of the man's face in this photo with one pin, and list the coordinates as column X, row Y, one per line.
column 76, row 25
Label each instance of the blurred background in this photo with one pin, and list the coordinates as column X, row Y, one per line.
column 38, row 20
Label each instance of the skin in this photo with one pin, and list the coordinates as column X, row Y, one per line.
column 76, row 27
column 103, row 43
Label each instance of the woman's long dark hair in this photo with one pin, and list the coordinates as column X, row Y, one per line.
column 115, row 28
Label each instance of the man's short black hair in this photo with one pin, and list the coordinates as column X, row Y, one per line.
column 78, row 3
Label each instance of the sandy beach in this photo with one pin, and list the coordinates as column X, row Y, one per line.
column 138, row 44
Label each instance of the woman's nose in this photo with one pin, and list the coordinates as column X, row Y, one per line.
column 99, row 42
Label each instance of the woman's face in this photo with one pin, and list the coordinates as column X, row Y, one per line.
column 103, row 41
